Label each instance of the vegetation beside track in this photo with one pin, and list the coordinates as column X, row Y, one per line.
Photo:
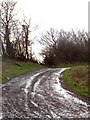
column 76, row 79
column 11, row 69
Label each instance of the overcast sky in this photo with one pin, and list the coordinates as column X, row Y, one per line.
column 60, row 14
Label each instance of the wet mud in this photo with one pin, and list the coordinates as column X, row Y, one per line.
column 40, row 95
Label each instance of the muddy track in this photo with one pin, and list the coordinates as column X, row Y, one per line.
column 40, row 95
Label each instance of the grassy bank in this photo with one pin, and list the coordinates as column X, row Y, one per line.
column 76, row 79
column 11, row 69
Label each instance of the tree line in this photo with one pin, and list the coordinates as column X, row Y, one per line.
column 59, row 46
column 64, row 47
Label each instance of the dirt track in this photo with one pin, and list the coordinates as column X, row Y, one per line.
column 40, row 95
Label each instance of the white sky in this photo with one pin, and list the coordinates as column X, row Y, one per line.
column 59, row 14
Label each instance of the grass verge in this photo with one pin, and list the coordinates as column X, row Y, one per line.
column 11, row 69
column 76, row 79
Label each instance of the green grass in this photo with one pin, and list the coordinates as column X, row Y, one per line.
column 76, row 79
column 11, row 69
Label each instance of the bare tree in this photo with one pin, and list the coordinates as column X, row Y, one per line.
column 49, row 38
column 17, row 42
column 7, row 19
column 26, row 31
column 26, row 37
column 65, row 47
column 49, row 41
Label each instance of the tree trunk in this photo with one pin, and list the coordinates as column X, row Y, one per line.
column 9, row 48
column 26, row 40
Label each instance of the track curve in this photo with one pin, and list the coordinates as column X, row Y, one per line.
column 40, row 95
